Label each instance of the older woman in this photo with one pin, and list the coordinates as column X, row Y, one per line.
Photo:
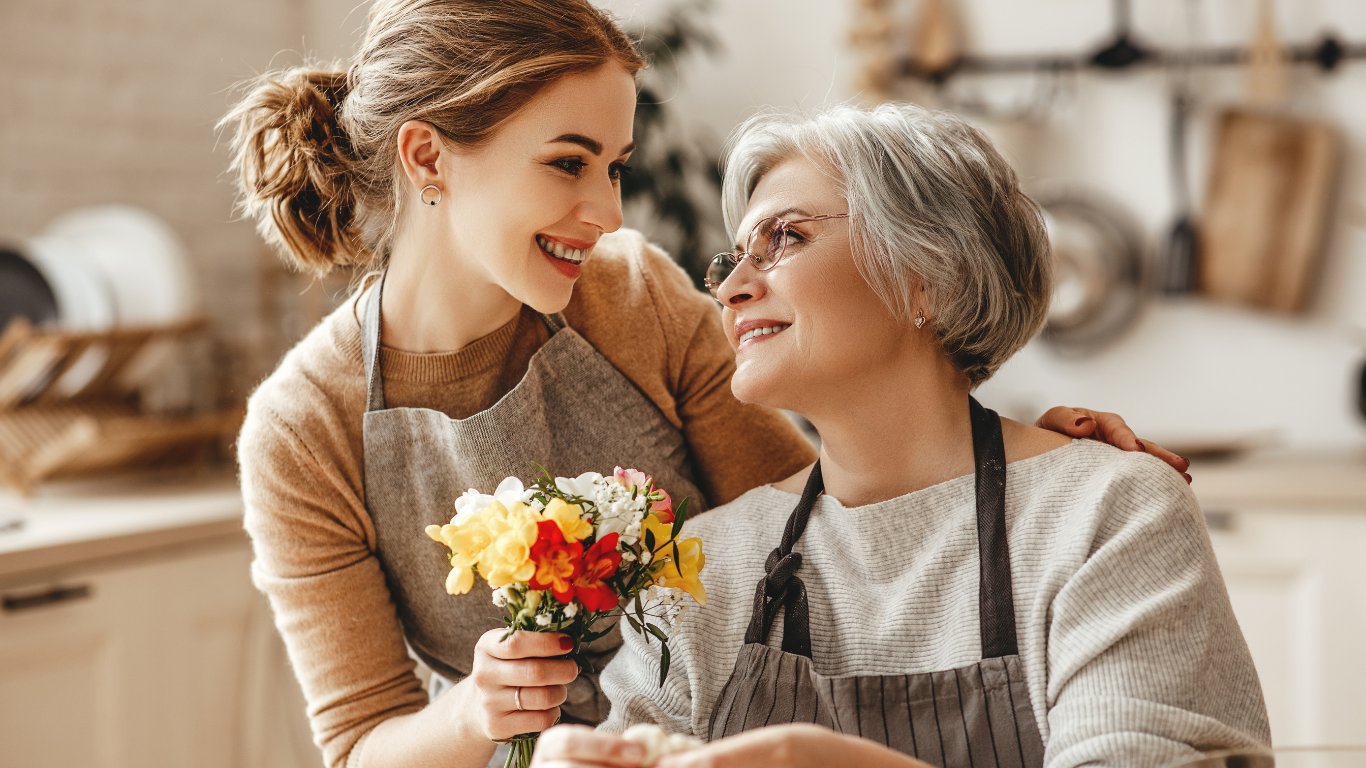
column 947, row 586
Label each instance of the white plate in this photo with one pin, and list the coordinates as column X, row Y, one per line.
column 140, row 257
column 84, row 302
column 145, row 267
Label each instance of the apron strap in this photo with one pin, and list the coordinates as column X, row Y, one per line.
column 369, row 348
column 781, row 587
column 554, row 322
column 996, row 601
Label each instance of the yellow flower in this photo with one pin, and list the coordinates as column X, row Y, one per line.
column 662, row 531
column 507, row 558
column 569, row 517
column 683, row 575
column 467, row 542
column 686, row 572
column 460, row 580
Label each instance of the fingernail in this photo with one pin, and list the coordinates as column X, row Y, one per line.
column 1141, row 446
column 1188, row 478
column 1083, row 420
column 566, row 644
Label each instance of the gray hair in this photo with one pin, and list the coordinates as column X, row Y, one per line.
column 930, row 199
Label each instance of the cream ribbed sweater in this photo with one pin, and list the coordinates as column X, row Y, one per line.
column 300, row 454
column 1132, row 653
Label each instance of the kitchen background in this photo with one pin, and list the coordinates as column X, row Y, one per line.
column 115, row 103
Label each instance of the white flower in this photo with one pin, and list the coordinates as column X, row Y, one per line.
column 646, row 556
column 500, row 597
column 470, row 502
column 542, row 620
column 511, row 491
column 571, row 610
column 584, row 486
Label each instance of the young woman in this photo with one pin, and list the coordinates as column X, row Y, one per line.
column 946, row 587
column 470, row 155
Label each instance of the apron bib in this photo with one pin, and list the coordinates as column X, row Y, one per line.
column 573, row 411
column 978, row 715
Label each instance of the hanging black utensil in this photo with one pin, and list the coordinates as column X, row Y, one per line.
column 1181, row 260
column 1180, row 269
column 1122, row 51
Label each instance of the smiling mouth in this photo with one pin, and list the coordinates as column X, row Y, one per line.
column 768, row 330
column 561, row 251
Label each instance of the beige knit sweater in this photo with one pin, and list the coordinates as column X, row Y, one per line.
column 1131, row 651
column 300, row 455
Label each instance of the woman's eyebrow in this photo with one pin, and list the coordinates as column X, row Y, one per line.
column 591, row 145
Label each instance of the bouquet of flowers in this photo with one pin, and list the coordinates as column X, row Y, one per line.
column 565, row 553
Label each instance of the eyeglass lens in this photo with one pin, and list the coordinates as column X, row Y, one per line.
column 764, row 246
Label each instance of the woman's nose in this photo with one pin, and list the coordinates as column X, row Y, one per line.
column 601, row 206
column 744, row 283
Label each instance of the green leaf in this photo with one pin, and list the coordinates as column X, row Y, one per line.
column 680, row 515
column 649, row 542
column 678, row 559
column 657, row 632
column 634, row 624
column 663, row 663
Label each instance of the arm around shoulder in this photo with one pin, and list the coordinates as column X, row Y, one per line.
column 1146, row 663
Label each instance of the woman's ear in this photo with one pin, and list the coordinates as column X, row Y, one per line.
column 419, row 148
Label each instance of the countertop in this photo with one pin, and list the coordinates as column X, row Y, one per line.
column 67, row 523
column 1319, row 480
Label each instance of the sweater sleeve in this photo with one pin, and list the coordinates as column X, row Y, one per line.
column 331, row 604
column 631, row 683
column 735, row 446
column 1146, row 663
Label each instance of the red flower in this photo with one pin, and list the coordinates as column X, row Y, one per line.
column 600, row 562
column 556, row 560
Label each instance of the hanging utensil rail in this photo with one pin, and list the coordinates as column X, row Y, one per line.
column 1327, row 55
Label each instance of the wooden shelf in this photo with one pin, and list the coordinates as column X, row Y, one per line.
column 54, row 426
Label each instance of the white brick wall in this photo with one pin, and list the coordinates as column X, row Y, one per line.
column 105, row 101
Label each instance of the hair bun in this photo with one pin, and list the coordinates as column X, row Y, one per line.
column 294, row 166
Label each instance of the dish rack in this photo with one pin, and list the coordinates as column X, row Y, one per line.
column 53, row 425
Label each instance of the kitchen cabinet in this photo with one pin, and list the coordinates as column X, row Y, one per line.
column 1288, row 533
column 162, row 655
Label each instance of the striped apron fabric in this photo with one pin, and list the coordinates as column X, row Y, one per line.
column 977, row 715
column 572, row 412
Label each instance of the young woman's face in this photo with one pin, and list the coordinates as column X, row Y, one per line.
column 525, row 209
column 807, row 329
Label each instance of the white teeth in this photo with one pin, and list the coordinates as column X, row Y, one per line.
column 561, row 251
column 764, row 331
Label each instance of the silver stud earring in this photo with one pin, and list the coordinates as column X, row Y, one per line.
column 919, row 320
column 427, row 198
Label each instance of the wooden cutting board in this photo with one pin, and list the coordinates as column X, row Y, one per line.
column 1267, row 208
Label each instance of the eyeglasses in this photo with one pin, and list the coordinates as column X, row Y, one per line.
column 764, row 248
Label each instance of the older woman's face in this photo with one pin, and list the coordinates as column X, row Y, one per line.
column 804, row 331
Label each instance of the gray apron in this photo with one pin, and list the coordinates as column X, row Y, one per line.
column 977, row 715
column 572, row 412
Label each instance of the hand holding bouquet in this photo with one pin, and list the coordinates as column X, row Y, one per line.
column 565, row 553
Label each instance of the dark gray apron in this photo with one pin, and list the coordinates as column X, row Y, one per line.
column 977, row 715
column 573, row 412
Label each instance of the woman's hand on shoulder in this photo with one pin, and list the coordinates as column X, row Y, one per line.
column 516, row 685
column 790, row 746
column 1107, row 428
